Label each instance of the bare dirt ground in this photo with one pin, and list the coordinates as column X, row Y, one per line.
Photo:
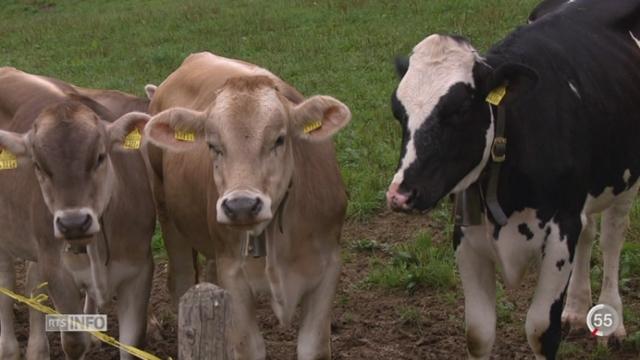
column 366, row 321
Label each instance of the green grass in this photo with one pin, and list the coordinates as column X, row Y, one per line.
column 416, row 264
column 342, row 48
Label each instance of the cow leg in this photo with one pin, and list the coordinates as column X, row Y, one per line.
column 67, row 299
column 615, row 221
column 133, row 301
column 91, row 307
column 477, row 272
column 314, row 336
column 38, row 346
column 9, row 348
column 182, row 272
column 246, row 338
column 579, row 292
column 544, row 318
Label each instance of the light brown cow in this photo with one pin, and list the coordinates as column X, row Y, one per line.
column 77, row 204
column 250, row 168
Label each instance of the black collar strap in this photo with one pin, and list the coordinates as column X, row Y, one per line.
column 256, row 246
column 498, row 156
column 470, row 203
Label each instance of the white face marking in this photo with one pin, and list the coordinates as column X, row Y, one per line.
column 437, row 63
column 634, row 38
column 575, row 90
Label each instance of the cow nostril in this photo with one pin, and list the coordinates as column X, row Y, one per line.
column 88, row 221
column 227, row 210
column 61, row 226
column 257, row 206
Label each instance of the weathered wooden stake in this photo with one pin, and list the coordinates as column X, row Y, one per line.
column 204, row 323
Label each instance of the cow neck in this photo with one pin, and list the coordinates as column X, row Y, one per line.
column 256, row 245
column 472, row 202
column 82, row 249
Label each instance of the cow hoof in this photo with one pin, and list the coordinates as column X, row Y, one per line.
column 615, row 340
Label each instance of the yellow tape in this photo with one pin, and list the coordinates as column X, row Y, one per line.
column 36, row 303
column 8, row 161
column 132, row 141
column 496, row 95
column 188, row 136
column 312, row 126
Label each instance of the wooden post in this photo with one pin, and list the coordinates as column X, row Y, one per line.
column 204, row 324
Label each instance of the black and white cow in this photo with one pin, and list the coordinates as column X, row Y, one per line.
column 547, row 7
column 572, row 114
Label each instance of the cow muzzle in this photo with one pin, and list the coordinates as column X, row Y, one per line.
column 244, row 208
column 398, row 200
column 76, row 225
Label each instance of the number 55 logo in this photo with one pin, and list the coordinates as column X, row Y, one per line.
column 602, row 320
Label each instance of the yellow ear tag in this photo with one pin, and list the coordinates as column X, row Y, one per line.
column 132, row 141
column 8, row 161
column 312, row 126
column 496, row 95
column 188, row 136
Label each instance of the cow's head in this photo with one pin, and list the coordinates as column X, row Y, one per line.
column 250, row 130
column 69, row 147
column 447, row 126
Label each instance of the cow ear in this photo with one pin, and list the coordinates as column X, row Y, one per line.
column 127, row 130
column 176, row 129
column 519, row 78
column 319, row 118
column 150, row 90
column 16, row 144
column 402, row 66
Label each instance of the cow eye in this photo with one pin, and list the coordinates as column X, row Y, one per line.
column 214, row 149
column 279, row 141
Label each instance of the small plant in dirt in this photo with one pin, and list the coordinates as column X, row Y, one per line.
column 419, row 263
column 632, row 342
column 157, row 245
column 410, row 316
column 601, row 352
column 504, row 307
column 630, row 267
column 367, row 245
column 569, row 350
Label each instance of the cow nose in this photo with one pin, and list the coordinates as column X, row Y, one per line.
column 74, row 225
column 397, row 200
column 242, row 208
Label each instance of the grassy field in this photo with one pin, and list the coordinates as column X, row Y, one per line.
column 342, row 48
column 336, row 47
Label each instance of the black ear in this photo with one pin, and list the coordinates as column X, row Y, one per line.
column 519, row 78
column 402, row 65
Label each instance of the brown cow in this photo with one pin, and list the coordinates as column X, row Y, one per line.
column 255, row 158
column 77, row 204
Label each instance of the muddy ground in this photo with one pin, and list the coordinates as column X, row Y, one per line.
column 366, row 320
